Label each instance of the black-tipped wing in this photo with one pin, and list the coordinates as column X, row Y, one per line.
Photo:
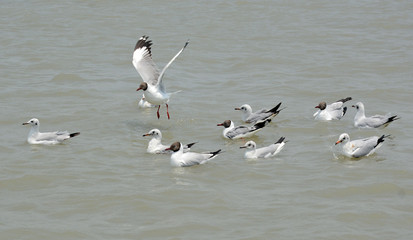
column 143, row 63
column 344, row 99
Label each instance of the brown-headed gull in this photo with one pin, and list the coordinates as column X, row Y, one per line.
column 360, row 147
column 261, row 115
column 155, row 144
column 181, row 159
column 233, row 132
column 152, row 84
column 376, row 121
column 253, row 152
column 333, row 111
column 36, row 137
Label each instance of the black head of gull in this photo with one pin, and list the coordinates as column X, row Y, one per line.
column 174, row 146
column 321, row 105
column 226, row 123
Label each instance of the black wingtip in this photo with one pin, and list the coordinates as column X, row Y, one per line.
column 74, row 134
column 345, row 99
column 381, row 139
column 280, row 140
column 344, row 111
column 391, row 119
column 189, row 145
column 262, row 124
column 215, row 153
column 275, row 109
column 186, row 44
column 143, row 42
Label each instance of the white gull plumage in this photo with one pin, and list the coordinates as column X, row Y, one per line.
column 155, row 144
column 181, row 159
column 360, row 147
column 376, row 121
column 152, row 84
column 233, row 132
column 253, row 117
column 145, row 104
column 333, row 111
column 36, row 137
column 253, row 152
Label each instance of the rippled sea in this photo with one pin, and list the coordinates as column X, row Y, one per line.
column 68, row 63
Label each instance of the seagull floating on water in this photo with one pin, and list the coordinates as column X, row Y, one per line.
column 261, row 115
column 265, row 152
column 360, row 147
column 145, row 104
column 181, row 159
column 36, row 137
column 333, row 111
column 376, row 121
column 155, row 145
column 152, row 84
column 232, row 132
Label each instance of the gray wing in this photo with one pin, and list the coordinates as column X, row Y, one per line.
column 335, row 110
column 259, row 115
column 237, row 131
column 376, row 120
column 52, row 136
column 363, row 147
column 264, row 151
column 335, row 106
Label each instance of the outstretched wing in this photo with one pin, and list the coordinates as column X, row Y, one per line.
column 143, row 63
column 169, row 63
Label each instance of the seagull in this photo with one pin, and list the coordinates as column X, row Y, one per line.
column 181, row 159
column 264, row 152
column 36, row 137
column 249, row 117
column 376, row 121
column 360, row 147
column 152, row 84
column 145, row 104
column 334, row 111
column 232, row 132
column 155, row 145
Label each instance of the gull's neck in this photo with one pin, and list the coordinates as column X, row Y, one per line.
column 246, row 113
column 360, row 114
